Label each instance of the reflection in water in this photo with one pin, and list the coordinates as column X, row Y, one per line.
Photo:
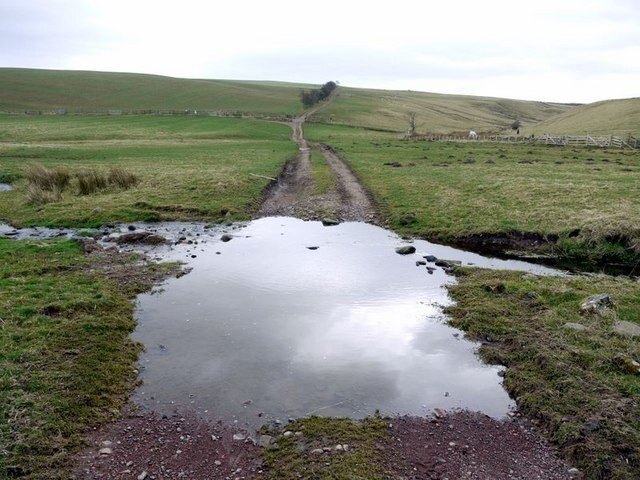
column 265, row 328
column 5, row 187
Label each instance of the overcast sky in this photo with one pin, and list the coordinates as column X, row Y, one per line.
column 550, row 50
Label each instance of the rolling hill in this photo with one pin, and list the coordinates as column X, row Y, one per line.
column 435, row 113
column 77, row 91
column 610, row 117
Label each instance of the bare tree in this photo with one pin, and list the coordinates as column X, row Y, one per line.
column 411, row 118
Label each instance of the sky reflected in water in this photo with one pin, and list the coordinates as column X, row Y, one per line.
column 265, row 328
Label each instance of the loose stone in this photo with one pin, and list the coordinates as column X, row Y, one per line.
column 626, row 329
column 406, row 250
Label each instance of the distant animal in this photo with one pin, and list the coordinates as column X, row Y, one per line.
column 473, row 135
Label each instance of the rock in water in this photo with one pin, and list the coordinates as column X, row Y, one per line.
column 226, row 237
column 329, row 222
column 406, row 250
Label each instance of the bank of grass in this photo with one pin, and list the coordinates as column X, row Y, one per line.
column 66, row 358
column 187, row 168
column 568, row 380
column 586, row 196
column 291, row 458
column 323, row 176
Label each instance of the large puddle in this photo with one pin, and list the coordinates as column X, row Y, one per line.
column 291, row 318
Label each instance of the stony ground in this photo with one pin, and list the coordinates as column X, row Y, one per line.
column 145, row 445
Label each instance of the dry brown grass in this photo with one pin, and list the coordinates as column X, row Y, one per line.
column 90, row 181
column 44, row 184
column 121, row 178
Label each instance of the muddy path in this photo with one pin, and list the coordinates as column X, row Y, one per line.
column 294, row 192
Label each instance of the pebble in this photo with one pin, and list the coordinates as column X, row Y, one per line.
column 106, row 451
column 217, row 463
column 287, row 434
column 574, row 473
column 265, row 441
column 317, row 451
column 239, row 437
column 143, row 475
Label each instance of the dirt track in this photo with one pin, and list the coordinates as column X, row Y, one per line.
column 293, row 193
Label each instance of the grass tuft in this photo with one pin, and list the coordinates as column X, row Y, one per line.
column 121, row 178
column 44, row 184
column 90, row 181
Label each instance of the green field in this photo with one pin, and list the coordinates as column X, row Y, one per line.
column 455, row 190
column 76, row 91
column 189, row 167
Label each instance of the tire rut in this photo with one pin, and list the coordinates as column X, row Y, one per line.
column 293, row 193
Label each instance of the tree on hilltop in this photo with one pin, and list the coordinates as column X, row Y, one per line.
column 311, row 97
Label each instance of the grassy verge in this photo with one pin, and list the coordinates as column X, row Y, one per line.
column 323, row 176
column 569, row 380
column 66, row 360
column 294, row 456
column 188, row 168
column 586, row 197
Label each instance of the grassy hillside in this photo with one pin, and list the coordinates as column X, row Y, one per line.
column 26, row 89
column 435, row 113
column 617, row 117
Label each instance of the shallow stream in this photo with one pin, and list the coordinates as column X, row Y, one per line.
column 292, row 318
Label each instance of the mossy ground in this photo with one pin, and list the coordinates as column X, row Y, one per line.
column 569, row 380
column 292, row 457
column 66, row 359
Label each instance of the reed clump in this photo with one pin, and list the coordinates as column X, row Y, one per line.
column 121, row 178
column 44, row 184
